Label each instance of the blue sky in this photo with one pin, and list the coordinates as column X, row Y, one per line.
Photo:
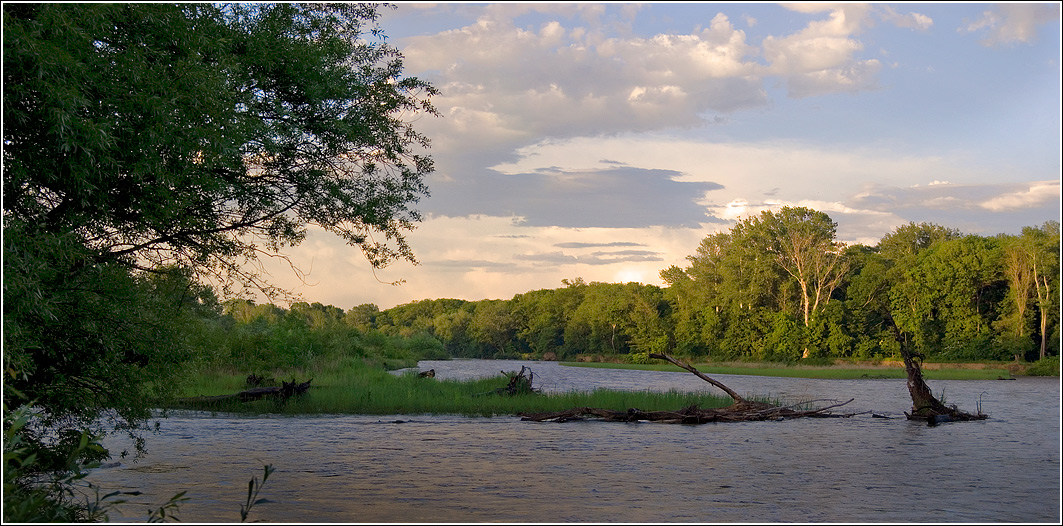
column 604, row 141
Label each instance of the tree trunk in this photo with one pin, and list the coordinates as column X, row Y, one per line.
column 924, row 405
column 1044, row 314
column 923, row 401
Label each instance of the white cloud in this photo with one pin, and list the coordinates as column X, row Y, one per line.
column 820, row 59
column 503, row 83
column 1013, row 23
column 867, row 191
column 909, row 21
column 1037, row 194
column 746, row 171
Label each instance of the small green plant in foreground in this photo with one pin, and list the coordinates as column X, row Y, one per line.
column 253, row 487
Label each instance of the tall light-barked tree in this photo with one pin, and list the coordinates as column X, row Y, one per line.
column 776, row 263
column 1031, row 265
column 801, row 241
column 1043, row 243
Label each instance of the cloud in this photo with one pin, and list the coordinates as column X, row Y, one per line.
column 598, row 245
column 912, row 20
column 502, row 84
column 1001, row 197
column 868, row 191
column 570, row 74
column 820, row 59
column 985, row 209
column 748, row 171
column 553, row 258
column 1036, row 195
column 594, row 258
column 1013, row 23
column 611, row 196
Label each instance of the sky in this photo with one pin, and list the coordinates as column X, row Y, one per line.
column 606, row 140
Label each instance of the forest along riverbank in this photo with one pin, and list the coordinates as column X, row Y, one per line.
column 420, row 468
column 941, row 371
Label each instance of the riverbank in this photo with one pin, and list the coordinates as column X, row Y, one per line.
column 843, row 371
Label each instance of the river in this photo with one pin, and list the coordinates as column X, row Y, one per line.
column 421, row 468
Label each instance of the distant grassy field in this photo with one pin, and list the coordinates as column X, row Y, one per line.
column 839, row 372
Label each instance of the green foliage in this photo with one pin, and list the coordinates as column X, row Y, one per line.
column 949, row 295
column 742, row 298
column 1047, row 366
column 169, row 509
column 785, row 343
column 82, row 337
column 46, row 493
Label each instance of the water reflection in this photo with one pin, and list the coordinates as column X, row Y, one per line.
column 456, row 469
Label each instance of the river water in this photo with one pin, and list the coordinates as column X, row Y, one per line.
column 421, row 468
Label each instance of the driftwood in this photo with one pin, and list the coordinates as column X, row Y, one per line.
column 741, row 411
column 282, row 393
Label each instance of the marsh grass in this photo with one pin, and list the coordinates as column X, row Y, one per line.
column 357, row 389
column 798, row 371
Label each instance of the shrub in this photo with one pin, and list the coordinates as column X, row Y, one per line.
column 1047, row 366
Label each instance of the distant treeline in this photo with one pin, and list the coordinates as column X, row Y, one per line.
column 776, row 287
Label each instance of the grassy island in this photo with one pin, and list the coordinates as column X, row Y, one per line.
column 358, row 389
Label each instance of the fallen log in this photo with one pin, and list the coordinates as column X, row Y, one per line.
column 741, row 411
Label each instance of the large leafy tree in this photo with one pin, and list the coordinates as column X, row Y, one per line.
column 948, row 298
column 203, row 134
column 145, row 137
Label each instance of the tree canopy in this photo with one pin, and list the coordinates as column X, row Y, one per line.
column 203, row 134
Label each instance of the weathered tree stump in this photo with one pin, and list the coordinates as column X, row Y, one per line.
column 925, row 406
